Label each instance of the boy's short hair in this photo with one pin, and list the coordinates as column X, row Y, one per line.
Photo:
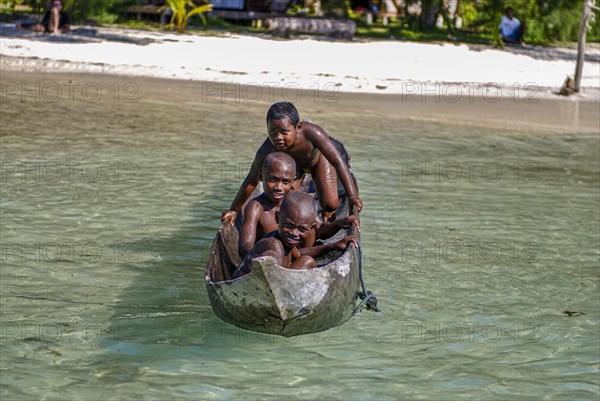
column 279, row 158
column 301, row 201
column 281, row 110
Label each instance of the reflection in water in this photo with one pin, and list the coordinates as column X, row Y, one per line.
column 476, row 241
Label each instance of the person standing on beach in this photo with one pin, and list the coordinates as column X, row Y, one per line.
column 314, row 153
column 511, row 29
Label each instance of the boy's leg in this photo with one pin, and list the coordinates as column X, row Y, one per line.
column 325, row 179
column 31, row 27
column 303, row 262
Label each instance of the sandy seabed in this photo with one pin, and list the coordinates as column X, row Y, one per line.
column 540, row 115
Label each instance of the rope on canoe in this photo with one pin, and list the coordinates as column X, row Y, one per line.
column 367, row 297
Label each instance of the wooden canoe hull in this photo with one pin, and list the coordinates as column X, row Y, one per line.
column 275, row 300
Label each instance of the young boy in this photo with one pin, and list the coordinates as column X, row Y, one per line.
column 296, row 219
column 277, row 174
column 314, row 153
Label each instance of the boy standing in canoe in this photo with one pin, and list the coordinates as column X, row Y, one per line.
column 296, row 220
column 312, row 150
column 277, row 174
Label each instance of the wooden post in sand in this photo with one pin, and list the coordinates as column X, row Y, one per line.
column 581, row 44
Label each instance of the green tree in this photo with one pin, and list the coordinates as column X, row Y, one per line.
column 335, row 8
column 546, row 20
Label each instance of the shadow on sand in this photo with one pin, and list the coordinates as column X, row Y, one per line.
column 78, row 35
column 542, row 53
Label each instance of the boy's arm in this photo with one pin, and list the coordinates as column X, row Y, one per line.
column 322, row 142
column 265, row 247
column 327, row 230
column 248, row 230
column 250, row 182
column 320, row 250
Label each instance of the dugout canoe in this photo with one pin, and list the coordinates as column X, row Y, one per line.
column 275, row 300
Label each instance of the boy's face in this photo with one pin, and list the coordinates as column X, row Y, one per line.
column 282, row 133
column 277, row 181
column 294, row 227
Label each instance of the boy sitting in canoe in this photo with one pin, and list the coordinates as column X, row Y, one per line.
column 313, row 151
column 296, row 219
column 277, row 174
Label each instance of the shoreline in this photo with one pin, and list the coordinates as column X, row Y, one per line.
column 448, row 71
column 542, row 116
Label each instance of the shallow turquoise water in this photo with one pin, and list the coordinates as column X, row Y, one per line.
column 476, row 241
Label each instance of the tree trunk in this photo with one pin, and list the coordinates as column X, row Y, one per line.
column 428, row 13
column 457, row 13
column 581, row 44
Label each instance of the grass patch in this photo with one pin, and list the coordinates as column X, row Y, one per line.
column 214, row 26
column 396, row 31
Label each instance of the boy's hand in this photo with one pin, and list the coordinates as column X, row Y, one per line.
column 347, row 222
column 355, row 200
column 229, row 216
column 295, row 253
column 343, row 243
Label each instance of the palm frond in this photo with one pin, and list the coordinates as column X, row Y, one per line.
column 200, row 10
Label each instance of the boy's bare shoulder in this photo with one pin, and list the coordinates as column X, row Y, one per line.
column 255, row 205
column 265, row 148
column 310, row 126
column 312, row 130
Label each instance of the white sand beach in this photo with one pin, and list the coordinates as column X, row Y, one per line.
column 392, row 67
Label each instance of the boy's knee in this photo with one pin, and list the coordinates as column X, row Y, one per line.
column 330, row 205
column 304, row 262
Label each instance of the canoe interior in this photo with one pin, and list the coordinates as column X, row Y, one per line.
column 275, row 300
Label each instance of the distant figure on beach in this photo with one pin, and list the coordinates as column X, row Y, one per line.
column 314, row 152
column 296, row 219
column 511, row 29
column 55, row 20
